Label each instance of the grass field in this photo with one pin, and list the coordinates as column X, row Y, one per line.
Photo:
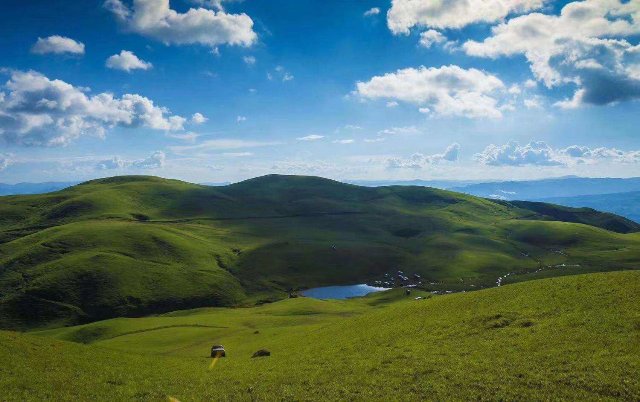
column 131, row 246
column 575, row 337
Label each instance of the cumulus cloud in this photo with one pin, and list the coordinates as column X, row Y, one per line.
column 440, row 91
column 512, row 154
column 311, row 137
column 431, row 37
column 406, row 14
column 57, row 44
column 250, row 60
column 372, row 11
column 198, row 118
column 38, row 111
column 585, row 45
column 127, row 61
column 155, row 161
column 420, row 161
column 541, row 154
column 155, row 19
column 584, row 154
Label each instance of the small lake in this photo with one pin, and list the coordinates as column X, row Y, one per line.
column 341, row 292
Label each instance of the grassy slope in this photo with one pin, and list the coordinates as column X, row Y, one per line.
column 134, row 245
column 572, row 338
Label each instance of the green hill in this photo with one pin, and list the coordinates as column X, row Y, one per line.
column 569, row 338
column 130, row 246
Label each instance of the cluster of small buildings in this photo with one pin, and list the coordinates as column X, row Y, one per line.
column 399, row 279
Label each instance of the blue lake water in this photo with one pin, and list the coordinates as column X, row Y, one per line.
column 341, row 292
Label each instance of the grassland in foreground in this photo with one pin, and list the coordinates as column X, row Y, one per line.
column 572, row 338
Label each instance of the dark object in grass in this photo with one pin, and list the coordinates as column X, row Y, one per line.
column 218, row 351
column 261, row 353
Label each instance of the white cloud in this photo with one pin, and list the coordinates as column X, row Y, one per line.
column 237, row 154
column 155, row 161
column 443, row 91
column 188, row 137
column 514, row 89
column 311, row 137
column 392, row 104
column 127, row 61
column 220, row 145
column 198, row 118
column 57, row 44
column 406, row 14
column 4, row 162
column 450, row 154
column 214, row 4
column 250, row 60
column 584, row 154
column 344, row 141
column 111, row 164
column 541, row 154
column 302, row 167
column 281, row 73
column 584, row 46
column 420, row 161
column 155, row 19
column 534, row 102
column 407, row 130
column 512, row 154
column 240, row 119
column 38, row 111
column 372, row 11
column 431, row 37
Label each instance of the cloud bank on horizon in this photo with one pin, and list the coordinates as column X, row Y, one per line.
column 507, row 88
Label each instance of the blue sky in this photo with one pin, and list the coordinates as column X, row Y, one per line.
column 212, row 91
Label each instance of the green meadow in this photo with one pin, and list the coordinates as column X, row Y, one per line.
column 573, row 337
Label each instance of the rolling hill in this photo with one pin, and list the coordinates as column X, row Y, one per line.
column 137, row 245
column 569, row 338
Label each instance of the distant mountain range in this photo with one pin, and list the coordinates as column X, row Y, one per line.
column 549, row 188
column 34, row 188
column 623, row 204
